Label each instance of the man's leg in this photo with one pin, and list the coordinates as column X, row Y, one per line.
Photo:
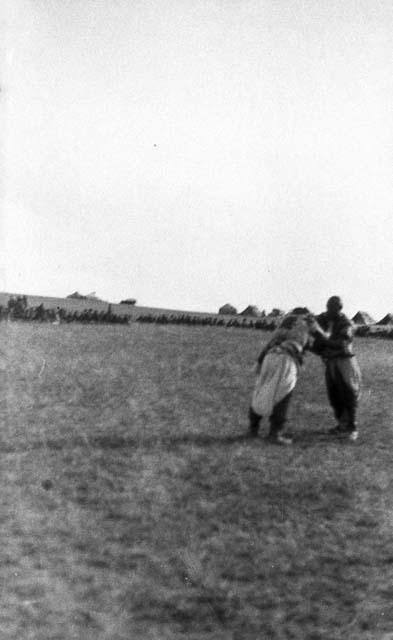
column 278, row 420
column 351, row 404
column 335, row 396
column 255, row 420
column 345, row 399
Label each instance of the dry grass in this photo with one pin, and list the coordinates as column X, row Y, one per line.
column 132, row 506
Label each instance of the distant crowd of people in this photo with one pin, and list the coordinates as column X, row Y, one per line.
column 363, row 331
column 18, row 309
column 265, row 323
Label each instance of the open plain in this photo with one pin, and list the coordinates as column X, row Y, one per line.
column 133, row 507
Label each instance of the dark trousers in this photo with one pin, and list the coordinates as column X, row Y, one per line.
column 277, row 419
column 342, row 398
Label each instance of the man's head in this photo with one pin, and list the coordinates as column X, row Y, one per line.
column 334, row 306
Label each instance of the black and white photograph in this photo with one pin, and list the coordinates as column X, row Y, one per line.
column 196, row 320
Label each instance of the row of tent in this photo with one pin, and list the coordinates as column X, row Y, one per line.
column 364, row 318
column 251, row 311
column 360, row 318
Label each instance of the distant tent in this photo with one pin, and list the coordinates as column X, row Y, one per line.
column 362, row 317
column 227, row 310
column 93, row 296
column 388, row 319
column 300, row 311
column 252, row 311
column 77, row 295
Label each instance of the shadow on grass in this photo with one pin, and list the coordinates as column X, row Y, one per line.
column 113, row 441
column 304, row 439
column 310, row 437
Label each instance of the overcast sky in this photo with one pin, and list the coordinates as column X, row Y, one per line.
column 195, row 152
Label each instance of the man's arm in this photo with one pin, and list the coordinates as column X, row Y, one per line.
column 318, row 336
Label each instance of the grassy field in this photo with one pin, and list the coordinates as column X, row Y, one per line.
column 134, row 508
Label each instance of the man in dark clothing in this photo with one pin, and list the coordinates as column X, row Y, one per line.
column 335, row 345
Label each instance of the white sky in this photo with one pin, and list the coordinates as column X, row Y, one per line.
column 190, row 153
